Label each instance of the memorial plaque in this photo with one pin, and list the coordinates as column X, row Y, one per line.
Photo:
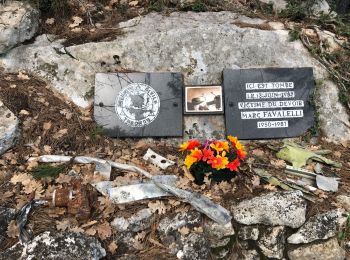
column 139, row 104
column 268, row 103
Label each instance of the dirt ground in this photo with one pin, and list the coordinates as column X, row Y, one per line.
column 52, row 125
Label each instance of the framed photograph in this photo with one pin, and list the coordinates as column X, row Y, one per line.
column 203, row 100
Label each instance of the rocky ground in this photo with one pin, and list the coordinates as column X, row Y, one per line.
column 47, row 74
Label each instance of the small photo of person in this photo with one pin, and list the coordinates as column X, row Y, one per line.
column 203, row 99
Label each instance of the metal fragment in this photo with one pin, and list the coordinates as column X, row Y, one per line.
column 157, row 159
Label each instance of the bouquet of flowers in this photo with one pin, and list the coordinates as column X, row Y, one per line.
column 217, row 159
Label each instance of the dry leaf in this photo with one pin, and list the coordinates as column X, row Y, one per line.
column 104, row 230
column 12, row 229
column 77, row 229
column 188, row 174
column 24, row 112
column 258, row 152
column 56, row 212
column 60, row 133
column 157, row 206
column 66, row 113
column 22, row 76
column 198, row 229
column 184, row 231
column 47, row 126
column 270, row 187
column 225, row 186
column 63, row 178
column 91, row 231
column 278, row 163
column 22, row 178
column 76, row 21
column 255, row 181
column 63, row 225
column 337, row 154
column 47, row 149
column 89, row 224
column 133, row 3
column 112, row 247
column 50, row 21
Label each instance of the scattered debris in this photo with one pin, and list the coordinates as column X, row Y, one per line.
column 327, row 183
column 26, row 234
column 198, row 201
column 299, row 157
column 157, row 159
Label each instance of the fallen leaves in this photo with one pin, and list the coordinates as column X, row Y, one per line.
column 112, row 247
column 76, row 21
column 104, row 230
column 12, row 229
column 184, row 231
column 157, row 207
column 60, row 133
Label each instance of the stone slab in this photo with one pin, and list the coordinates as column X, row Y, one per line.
column 139, row 104
column 268, row 102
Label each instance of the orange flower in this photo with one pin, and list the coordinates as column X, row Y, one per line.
column 220, row 146
column 189, row 145
column 233, row 140
column 219, row 162
column 207, row 154
column 242, row 154
column 197, row 154
column 233, row 166
column 189, row 160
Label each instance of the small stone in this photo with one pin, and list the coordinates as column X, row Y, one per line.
column 344, row 202
column 19, row 21
column 138, row 222
column 327, row 183
column 275, row 208
column 189, row 219
column 277, row 5
column 218, row 235
column 248, row 233
column 195, row 247
column 320, row 7
column 272, row 242
column 329, row 250
column 321, row 226
column 57, row 245
column 9, row 128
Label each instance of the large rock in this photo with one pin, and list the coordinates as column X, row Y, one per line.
column 138, row 222
column 58, row 246
column 19, row 21
column 200, row 45
column 329, row 250
column 275, row 209
column 9, row 129
column 321, row 226
column 277, row 5
column 272, row 242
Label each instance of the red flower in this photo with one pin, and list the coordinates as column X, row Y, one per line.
column 193, row 144
column 197, row 154
column 233, row 166
column 207, row 154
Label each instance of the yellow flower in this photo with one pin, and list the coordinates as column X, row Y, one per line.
column 183, row 146
column 189, row 160
column 220, row 146
column 233, row 139
column 219, row 162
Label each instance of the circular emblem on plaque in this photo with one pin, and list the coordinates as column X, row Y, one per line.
column 137, row 105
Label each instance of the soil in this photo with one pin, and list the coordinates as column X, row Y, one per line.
column 83, row 138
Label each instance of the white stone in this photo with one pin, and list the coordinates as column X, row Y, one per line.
column 321, row 226
column 329, row 250
column 137, row 222
column 9, row 129
column 320, row 7
column 218, row 235
column 248, row 233
column 275, row 208
column 199, row 45
column 19, row 21
column 277, row 5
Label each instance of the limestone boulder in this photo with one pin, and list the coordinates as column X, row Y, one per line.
column 199, row 45
column 326, row 250
column 19, row 22
column 274, row 209
column 320, row 226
